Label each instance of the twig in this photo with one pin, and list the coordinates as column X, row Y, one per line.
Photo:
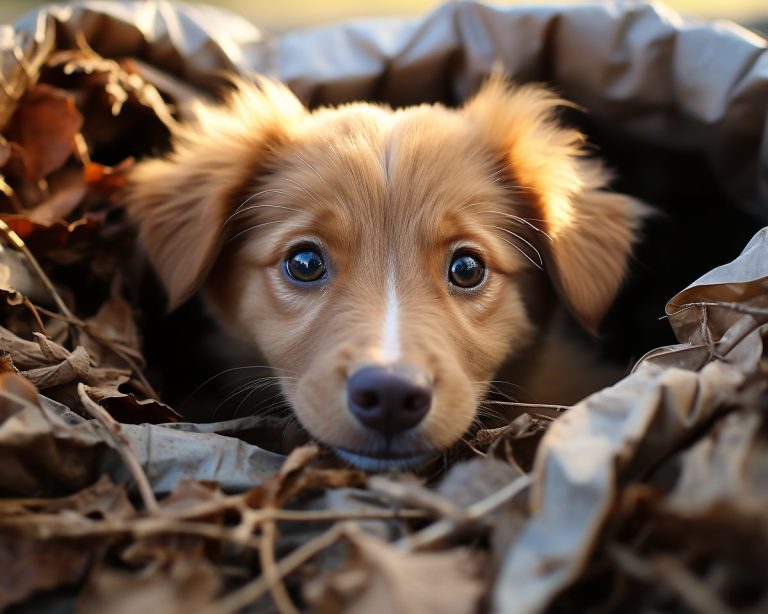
column 59, row 525
column 695, row 595
column 246, row 595
column 9, row 192
column 123, row 447
column 440, row 530
column 330, row 515
column 269, row 570
column 35, row 314
column 560, row 408
column 19, row 244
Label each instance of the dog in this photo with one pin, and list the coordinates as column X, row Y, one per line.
column 386, row 262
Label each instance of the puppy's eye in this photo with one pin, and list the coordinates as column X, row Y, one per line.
column 305, row 265
column 466, row 271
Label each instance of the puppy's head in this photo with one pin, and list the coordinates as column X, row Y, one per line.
column 386, row 261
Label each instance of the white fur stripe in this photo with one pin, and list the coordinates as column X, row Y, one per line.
column 390, row 345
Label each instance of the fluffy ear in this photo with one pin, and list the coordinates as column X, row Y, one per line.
column 182, row 201
column 591, row 231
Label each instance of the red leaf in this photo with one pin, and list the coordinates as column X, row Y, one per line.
column 45, row 125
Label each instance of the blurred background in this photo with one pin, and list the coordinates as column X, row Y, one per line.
column 280, row 15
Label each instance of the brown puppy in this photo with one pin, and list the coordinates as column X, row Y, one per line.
column 387, row 261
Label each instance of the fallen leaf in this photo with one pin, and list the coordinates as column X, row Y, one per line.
column 66, row 189
column 39, row 452
column 381, row 578
column 44, row 125
column 32, row 565
column 107, row 180
column 73, row 368
column 115, row 326
column 69, row 241
column 178, row 588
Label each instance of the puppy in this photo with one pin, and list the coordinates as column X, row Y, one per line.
column 385, row 262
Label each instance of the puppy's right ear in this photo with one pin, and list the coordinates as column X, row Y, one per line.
column 182, row 201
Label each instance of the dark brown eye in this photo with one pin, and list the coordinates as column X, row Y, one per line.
column 466, row 271
column 305, row 265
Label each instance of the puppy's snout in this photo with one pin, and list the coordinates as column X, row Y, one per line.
column 389, row 399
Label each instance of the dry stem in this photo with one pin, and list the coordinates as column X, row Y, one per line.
column 123, row 447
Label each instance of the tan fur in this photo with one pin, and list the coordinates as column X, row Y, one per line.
column 384, row 193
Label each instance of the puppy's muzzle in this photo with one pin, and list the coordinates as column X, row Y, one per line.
column 389, row 399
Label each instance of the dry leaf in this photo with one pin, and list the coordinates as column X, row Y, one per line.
column 73, row 368
column 178, row 588
column 39, row 453
column 107, row 180
column 66, row 190
column 44, row 125
column 74, row 238
column 114, row 322
column 384, row 579
column 31, row 565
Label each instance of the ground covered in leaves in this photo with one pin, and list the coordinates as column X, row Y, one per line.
column 102, row 509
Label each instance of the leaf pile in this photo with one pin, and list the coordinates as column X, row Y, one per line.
column 649, row 495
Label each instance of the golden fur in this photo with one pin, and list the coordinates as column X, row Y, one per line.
column 389, row 195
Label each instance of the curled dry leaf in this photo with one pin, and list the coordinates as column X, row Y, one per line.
column 73, row 368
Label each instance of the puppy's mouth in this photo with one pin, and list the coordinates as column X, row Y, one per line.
column 384, row 461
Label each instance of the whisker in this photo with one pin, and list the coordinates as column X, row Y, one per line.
column 257, row 387
column 312, row 168
column 522, row 220
column 253, row 228
column 252, row 207
column 252, row 196
column 539, row 265
column 230, row 370
column 302, row 188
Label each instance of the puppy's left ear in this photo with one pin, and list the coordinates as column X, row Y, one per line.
column 182, row 201
column 590, row 231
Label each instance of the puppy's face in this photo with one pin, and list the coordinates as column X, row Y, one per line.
column 385, row 262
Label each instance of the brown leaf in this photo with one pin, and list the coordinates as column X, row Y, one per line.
column 115, row 324
column 57, row 238
column 66, row 191
column 100, row 500
column 39, row 452
column 73, row 368
column 125, row 407
column 25, row 354
column 44, row 125
column 107, row 180
column 384, row 579
column 31, row 565
column 178, row 588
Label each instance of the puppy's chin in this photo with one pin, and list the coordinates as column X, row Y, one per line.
column 381, row 464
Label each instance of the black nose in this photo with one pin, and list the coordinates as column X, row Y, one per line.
column 389, row 399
